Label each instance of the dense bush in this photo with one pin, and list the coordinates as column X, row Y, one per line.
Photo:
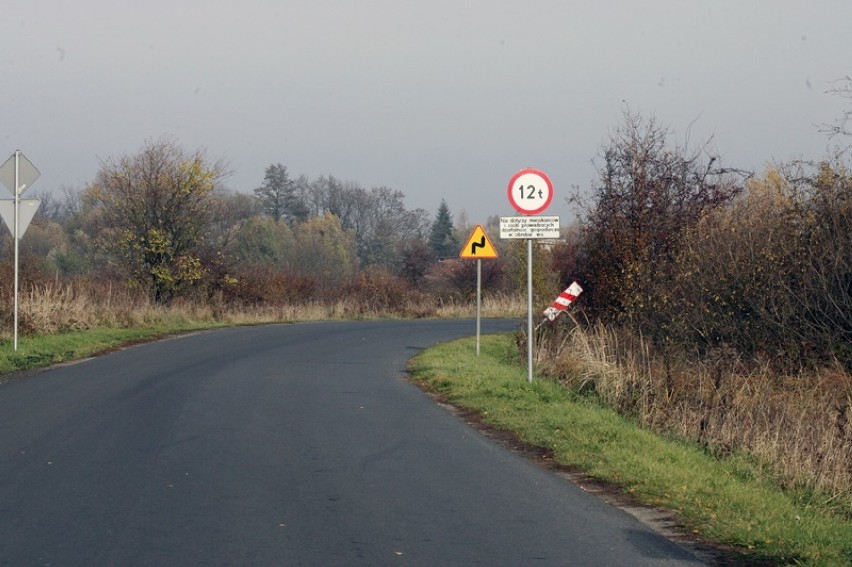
column 456, row 278
column 265, row 284
column 377, row 290
column 771, row 274
column 650, row 192
column 720, row 313
column 675, row 249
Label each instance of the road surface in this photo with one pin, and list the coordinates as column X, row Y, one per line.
column 281, row 445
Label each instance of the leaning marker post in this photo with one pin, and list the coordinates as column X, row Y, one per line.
column 17, row 174
column 562, row 302
column 530, row 193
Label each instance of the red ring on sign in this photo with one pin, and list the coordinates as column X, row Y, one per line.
column 538, row 173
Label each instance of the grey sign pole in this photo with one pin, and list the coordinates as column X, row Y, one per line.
column 530, row 192
column 478, row 302
column 477, row 247
column 17, row 192
column 530, row 310
column 18, row 173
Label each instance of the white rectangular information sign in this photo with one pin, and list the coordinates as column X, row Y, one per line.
column 532, row 227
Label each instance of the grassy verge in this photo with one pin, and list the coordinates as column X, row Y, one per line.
column 731, row 500
column 43, row 350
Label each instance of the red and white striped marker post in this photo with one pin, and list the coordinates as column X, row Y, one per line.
column 562, row 302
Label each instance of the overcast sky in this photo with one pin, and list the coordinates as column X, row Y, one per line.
column 444, row 99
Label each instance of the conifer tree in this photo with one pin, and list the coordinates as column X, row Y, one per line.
column 442, row 238
column 278, row 195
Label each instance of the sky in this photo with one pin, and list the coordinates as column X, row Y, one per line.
column 442, row 100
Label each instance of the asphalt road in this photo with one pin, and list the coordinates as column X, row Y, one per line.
column 281, row 445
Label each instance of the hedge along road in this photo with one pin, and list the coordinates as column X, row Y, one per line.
column 282, row 445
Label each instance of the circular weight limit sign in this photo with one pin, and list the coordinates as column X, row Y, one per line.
column 530, row 191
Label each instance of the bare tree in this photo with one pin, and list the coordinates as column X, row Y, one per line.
column 59, row 208
column 843, row 124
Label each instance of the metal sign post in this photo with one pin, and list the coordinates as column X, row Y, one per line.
column 529, row 310
column 17, row 192
column 17, row 174
column 530, row 193
column 478, row 303
column 478, row 246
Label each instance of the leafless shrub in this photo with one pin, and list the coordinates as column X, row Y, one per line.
column 841, row 127
column 456, row 278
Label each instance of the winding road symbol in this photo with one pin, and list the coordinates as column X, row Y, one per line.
column 475, row 245
column 478, row 246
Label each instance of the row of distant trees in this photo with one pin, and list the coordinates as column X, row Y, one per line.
column 162, row 220
column 670, row 242
column 384, row 228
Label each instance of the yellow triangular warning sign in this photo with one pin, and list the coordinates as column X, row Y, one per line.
column 478, row 245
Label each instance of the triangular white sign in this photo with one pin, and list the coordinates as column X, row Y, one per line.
column 26, row 212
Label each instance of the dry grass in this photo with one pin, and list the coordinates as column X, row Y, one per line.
column 53, row 309
column 49, row 309
column 801, row 425
column 499, row 305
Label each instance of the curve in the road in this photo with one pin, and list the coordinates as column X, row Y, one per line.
column 282, row 445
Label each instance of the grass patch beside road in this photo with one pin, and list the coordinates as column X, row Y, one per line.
column 732, row 500
column 43, row 350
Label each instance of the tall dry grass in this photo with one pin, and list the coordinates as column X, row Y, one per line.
column 500, row 305
column 54, row 308
column 800, row 425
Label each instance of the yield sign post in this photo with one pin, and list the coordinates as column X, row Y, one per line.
column 17, row 173
column 26, row 211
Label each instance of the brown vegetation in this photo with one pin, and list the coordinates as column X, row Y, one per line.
column 51, row 308
column 718, row 310
column 799, row 425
